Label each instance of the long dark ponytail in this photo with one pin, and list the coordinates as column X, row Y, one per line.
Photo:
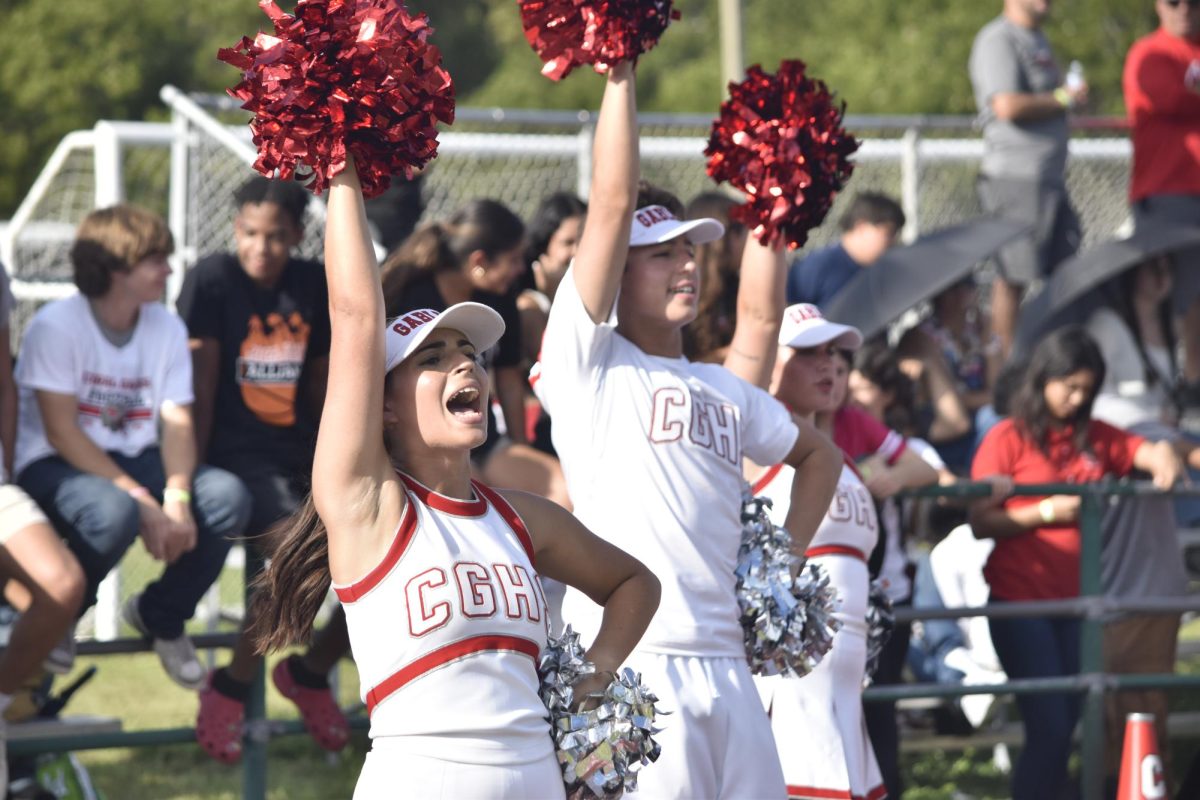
column 289, row 591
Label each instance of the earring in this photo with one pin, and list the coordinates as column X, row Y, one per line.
column 477, row 271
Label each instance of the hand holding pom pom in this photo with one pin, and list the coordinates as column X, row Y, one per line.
column 567, row 33
column 779, row 139
column 339, row 77
column 602, row 739
column 787, row 622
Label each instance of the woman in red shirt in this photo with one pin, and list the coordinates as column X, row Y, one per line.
column 1050, row 438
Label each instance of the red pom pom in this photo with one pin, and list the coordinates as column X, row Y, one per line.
column 779, row 138
column 338, row 77
column 567, row 33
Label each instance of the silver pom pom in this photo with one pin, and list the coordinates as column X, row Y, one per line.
column 601, row 749
column 788, row 623
column 881, row 621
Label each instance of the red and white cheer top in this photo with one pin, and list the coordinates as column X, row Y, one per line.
column 850, row 529
column 446, row 631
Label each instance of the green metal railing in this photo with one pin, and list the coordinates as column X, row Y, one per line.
column 1091, row 607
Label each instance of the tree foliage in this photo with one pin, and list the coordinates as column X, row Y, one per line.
column 69, row 63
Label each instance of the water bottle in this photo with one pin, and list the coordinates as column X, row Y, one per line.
column 1075, row 80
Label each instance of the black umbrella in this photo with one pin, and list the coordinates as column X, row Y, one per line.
column 908, row 275
column 1067, row 297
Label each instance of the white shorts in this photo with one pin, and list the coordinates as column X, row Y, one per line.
column 17, row 512
column 716, row 742
column 391, row 771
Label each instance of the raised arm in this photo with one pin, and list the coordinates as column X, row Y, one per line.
column 604, row 245
column 760, row 303
column 351, row 462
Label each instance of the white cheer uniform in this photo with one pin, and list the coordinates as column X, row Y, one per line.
column 652, row 450
column 446, row 633
column 817, row 720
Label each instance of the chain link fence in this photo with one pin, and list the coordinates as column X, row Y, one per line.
column 188, row 170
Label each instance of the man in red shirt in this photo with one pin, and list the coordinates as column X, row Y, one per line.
column 1162, row 98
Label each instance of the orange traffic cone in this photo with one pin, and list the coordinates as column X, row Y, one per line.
column 1142, row 776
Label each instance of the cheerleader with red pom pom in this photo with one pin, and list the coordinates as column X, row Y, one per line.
column 779, row 139
column 652, row 446
column 436, row 572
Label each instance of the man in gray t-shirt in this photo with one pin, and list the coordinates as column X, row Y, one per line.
column 1023, row 108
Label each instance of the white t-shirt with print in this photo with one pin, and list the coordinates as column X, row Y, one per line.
column 652, row 451
column 118, row 390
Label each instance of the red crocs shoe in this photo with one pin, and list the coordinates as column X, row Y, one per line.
column 325, row 722
column 219, row 724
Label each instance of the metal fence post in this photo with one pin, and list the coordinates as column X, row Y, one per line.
column 583, row 160
column 254, row 740
column 1091, row 659
column 910, row 183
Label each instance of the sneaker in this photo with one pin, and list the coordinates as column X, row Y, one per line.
column 61, row 659
column 178, row 655
column 219, row 724
column 323, row 720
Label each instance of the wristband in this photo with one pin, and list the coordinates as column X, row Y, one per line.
column 182, row 495
column 1063, row 97
column 138, row 492
column 1046, row 509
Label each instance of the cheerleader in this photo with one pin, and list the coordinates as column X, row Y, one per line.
column 817, row 720
column 436, row 572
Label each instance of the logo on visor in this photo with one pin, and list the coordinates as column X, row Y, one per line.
column 803, row 312
column 410, row 322
column 652, row 215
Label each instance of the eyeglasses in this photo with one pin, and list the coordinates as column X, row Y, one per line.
column 1178, row 3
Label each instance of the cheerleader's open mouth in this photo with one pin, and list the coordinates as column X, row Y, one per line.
column 466, row 404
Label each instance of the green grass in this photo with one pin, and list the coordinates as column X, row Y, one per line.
column 135, row 689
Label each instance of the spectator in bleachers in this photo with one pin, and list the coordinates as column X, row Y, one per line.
column 105, row 441
column 258, row 322
column 478, row 254
column 869, row 227
column 708, row 337
column 1023, row 100
column 954, row 355
column 1135, row 331
column 553, row 238
column 1162, row 98
column 40, row 576
column 1050, row 437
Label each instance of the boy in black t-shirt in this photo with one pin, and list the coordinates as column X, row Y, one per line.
column 258, row 326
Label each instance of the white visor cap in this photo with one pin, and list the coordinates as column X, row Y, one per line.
column 405, row 333
column 805, row 326
column 656, row 224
